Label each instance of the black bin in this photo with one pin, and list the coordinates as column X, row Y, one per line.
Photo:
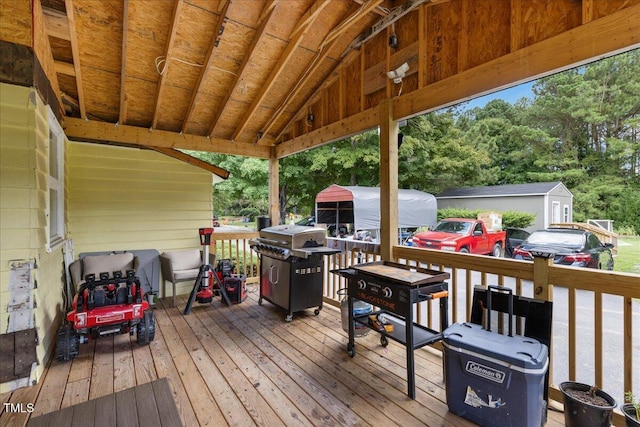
column 263, row 222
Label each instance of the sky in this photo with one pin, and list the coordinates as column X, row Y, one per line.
column 510, row 95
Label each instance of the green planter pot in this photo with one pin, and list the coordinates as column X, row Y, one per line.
column 630, row 415
column 578, row 413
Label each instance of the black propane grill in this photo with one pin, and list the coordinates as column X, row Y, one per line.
column 292, row 266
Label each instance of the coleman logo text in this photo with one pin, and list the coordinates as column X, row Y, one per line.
column 485, row 372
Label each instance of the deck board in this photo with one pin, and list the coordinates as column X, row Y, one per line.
column 244, row 365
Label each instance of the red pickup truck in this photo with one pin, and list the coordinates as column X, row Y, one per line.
column 462, row 235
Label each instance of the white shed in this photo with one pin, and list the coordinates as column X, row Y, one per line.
column 550, row 202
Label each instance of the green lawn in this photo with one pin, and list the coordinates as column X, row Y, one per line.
column 628, row 259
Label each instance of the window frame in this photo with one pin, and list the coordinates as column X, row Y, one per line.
column 55, row 208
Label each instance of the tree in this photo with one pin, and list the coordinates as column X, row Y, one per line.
column 351, row 161
column 435, row 155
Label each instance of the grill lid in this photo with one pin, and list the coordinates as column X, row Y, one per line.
column 293, row 236
column 283, row 241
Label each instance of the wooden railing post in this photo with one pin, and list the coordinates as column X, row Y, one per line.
column 541, row 287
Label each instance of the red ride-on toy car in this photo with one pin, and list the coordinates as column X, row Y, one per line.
column 104, row 307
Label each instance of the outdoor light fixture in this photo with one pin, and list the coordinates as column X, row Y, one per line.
column 398, row 74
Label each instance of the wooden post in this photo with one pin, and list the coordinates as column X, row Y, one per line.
column 388, row 180
column 274, row 188
column 541, row 287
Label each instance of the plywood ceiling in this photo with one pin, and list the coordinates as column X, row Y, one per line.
column 242, row 76
column 230, row 70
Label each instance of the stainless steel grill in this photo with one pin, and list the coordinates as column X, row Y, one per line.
column 291, row 266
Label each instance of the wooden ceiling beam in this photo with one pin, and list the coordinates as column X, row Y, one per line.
column 122, row 117
column 309, row 16
column 380, row 10
column 260, row 33
column 363, row 11
column 65, row 68
column 68, row 4
column 321, row 55
column 110, row 133
column 179, row 155
column 167, row 51
column 266, row 11
column 284, row 59
column 352, row 125
column 208, row 63
column 57, row 23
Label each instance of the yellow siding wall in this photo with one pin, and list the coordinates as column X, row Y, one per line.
column 24, row 140
column 125, row 199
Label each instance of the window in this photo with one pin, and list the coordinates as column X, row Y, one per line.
column 565, row 214
column 55, row 201
column 477, row 230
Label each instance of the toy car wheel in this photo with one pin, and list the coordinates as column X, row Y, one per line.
column 146, row 328
column 67, row 343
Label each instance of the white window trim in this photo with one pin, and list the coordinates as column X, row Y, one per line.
column 55, row 237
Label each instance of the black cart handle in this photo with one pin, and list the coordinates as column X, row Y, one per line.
column 510, row 305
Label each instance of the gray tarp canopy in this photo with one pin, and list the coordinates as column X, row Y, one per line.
column 360, row 206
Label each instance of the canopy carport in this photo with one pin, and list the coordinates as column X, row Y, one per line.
column 360, row 208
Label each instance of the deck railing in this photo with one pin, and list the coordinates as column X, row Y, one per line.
column 235, row 246
column 596, row 325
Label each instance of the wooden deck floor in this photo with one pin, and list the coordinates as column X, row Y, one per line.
column 243, row 365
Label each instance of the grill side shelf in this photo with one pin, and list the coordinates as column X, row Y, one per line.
column 421, row 335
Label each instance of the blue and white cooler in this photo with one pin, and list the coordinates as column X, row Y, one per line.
column 493, row 379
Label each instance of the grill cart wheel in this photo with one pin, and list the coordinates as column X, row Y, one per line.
column 316, row 311
column 351, row 351
column 67, row 343
column 384, row 341
column 147, row 328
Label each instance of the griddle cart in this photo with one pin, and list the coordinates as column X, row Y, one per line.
column 395, row 288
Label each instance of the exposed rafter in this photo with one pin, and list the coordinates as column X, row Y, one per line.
column 382, row 24
column 57, row 23
column 179, row 155
column 76, row 55
column 295, row 41
column 167, row 53
column 65, row 68
column 309, row 16
column 208, row 63
column 364, row 10
column 321, row 55
column 123, row 69
column 260, row 32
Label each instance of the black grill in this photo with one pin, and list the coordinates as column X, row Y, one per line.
column 292, row 266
